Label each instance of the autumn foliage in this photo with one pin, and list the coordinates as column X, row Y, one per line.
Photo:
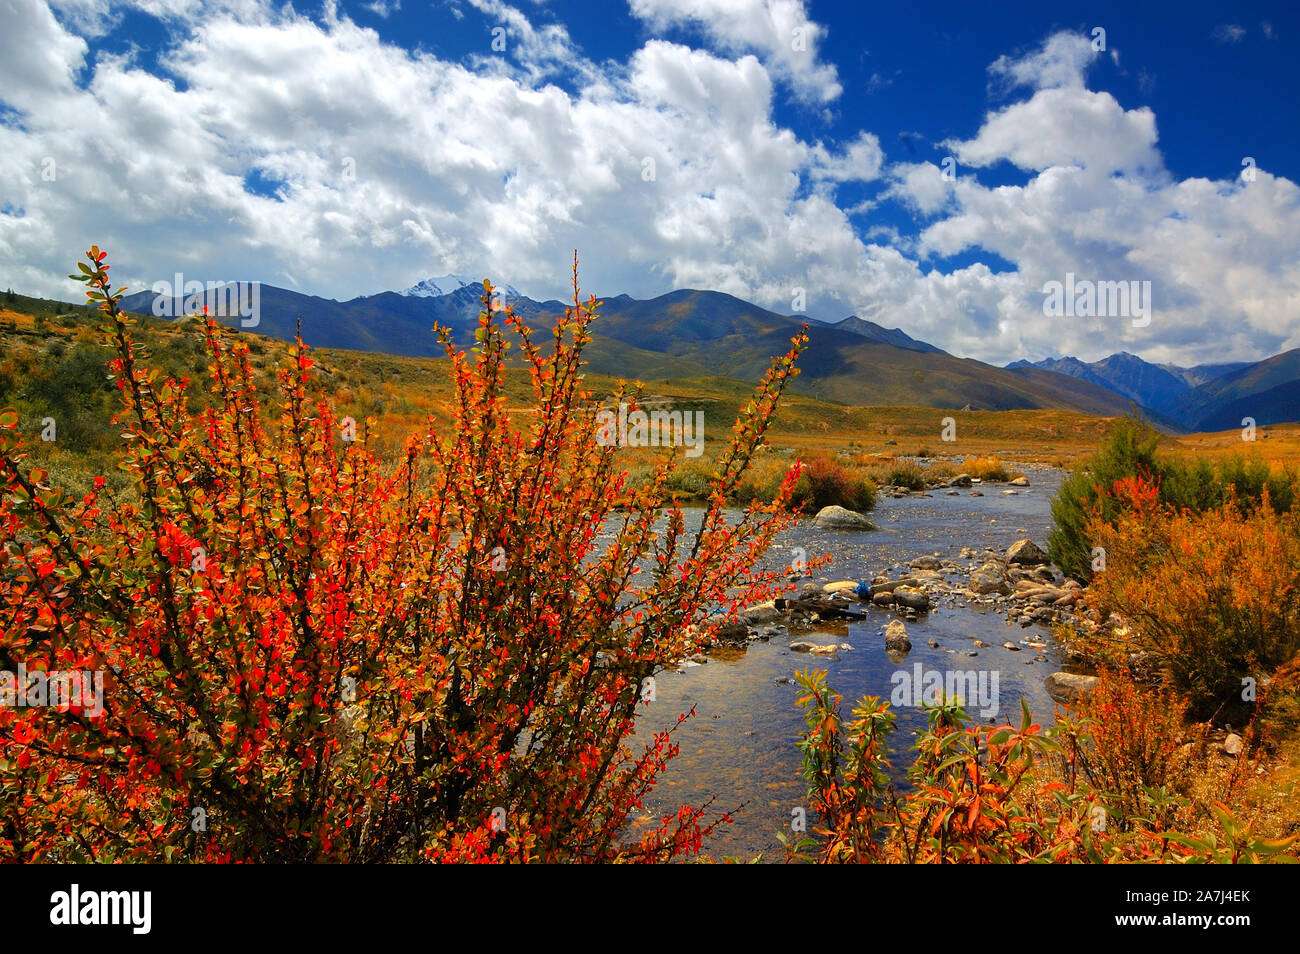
column 325, row 658
column 1012, row 794
column 1211, row 598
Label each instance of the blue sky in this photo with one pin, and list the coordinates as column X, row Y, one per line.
column 762, row 147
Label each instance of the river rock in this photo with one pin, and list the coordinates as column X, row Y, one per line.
column 926, row 563
column 896, row 638
column 733, row 634
column 1026, row 553
column 816, row 649
column 838, row 518
column 760, row 613
column 847, row 587
column 883, row 599
column 961, row 480
column 1232, row 745
column 1020, row 482
column 912, row 597
column 990, row 578
column 1069, row 687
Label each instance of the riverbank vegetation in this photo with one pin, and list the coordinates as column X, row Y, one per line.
column 1120, row 782
column 1184, row 747
column 1089, row 497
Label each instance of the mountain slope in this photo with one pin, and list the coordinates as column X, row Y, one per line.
column 869, row 329
column 735, row 338
column 1150, row 385
column 1207, row 397
column 1200, row 374
column 1265, row 390
column 691, row 333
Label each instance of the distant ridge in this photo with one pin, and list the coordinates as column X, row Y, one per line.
column 1200, row 398
column 683, row 334
column 870, row 330
column 447, row 284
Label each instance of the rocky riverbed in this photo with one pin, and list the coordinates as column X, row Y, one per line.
column 951, row 581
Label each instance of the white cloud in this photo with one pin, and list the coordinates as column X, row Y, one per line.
column 920, row 185
column 1063, row 60
column 860, row 161
column 1065, row 126
column 1229, row 33
column 665, row 171
column 779, row 31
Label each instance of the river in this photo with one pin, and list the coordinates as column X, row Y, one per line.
column 740, row 746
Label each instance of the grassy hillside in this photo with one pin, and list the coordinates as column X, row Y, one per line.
column 54, row 366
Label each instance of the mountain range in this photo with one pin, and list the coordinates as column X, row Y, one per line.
column 1207, row 397
column 691, row 333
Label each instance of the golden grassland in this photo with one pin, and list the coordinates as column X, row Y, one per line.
column 1279, row 444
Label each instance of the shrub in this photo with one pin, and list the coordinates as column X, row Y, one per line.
column 825, row 482
column 939, row 472
column 761, row 481
column 905, row 473
column 989, row 468
column 984, row 794
column 691, row 480
column 1212, row 597
column 1130, row 451
column 1133, row 741
column 339, row 660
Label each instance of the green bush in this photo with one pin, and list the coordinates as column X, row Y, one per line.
column 690, row 480
column 905, row 473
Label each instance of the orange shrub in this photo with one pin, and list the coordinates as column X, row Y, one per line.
column 989, row 468
column 1134, row 735
column 1213, row 597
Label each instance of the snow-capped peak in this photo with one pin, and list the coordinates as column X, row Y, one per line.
column 446, row 284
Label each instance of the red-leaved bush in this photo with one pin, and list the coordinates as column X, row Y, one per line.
column 311, row 656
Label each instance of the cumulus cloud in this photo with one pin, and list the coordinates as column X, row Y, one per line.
column 921, row 185
column 315, row 155
column 1100, row 204
column 1062, row 61
column 779, row 31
